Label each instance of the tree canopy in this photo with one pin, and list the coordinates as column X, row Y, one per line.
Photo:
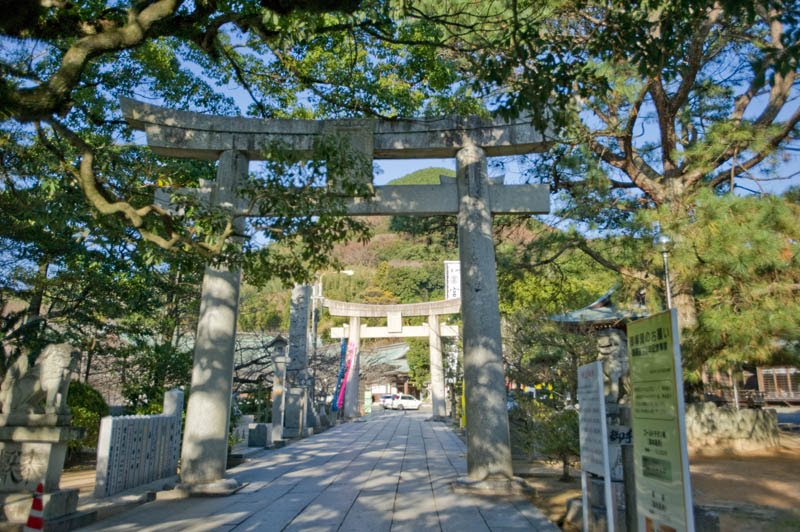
column 668, row 101
column 667, row 107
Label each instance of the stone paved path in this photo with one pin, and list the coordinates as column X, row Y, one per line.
column 390, row 473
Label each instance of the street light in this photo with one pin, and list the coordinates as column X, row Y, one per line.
column 663, row 243
column 278, row 345
column 278, row 351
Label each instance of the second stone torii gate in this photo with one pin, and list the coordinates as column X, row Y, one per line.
column 235, row 141
column 395, row 329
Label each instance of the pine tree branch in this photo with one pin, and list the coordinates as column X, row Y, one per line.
column 759, row 156
column 776, row 288
column 640, row 275
column 694, row 56
column 666, row 125
column 780, row 89
column 782, row 85
column 633, row 116
column 641, row 174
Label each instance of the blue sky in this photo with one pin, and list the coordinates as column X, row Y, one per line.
column 392, row 169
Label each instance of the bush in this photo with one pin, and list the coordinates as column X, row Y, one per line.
column 88, row 407
column 256, row 402
column 545, row 431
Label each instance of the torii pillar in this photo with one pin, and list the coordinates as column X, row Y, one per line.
column 488, row 448
column 437, row 367
column 205, row 439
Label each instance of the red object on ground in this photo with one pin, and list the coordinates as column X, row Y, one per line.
column 35, row 518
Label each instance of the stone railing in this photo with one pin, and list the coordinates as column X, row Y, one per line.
column 135, row 450
column 241, row 429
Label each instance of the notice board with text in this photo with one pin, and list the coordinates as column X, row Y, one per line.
column 663, row 486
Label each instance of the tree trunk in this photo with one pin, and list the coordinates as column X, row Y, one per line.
column 684, row 301
column 573, row 378
column 173, row 304
column 89, row 353
column 35, row 305
column 565, row 476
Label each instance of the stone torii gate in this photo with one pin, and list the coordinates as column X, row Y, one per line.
column 395, row 329
column 234, row 141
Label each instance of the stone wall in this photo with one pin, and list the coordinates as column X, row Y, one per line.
column 711, row 429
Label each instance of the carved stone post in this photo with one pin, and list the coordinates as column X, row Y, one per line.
column 296, row 402
column 34, row 431
column 613, row 353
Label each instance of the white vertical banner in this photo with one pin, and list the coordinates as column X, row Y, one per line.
column 452, row 279
column 594, row 437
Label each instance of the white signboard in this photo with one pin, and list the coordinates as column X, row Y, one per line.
column 452, row 279
column 594, row 436
column 594, row 440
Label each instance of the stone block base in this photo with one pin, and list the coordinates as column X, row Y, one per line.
column 233, row 460
column 219, row 488
column 259, row 435
column 277, row 432
column 597, row 517
column 70, row 522
column 292, row 433
column 34, row 455
column 323, row 421
column 597, row 493
column 17, row 506
column 504, row 487
column 705, row 520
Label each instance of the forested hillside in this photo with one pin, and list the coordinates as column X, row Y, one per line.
column 401, row 263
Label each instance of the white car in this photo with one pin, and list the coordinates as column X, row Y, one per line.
column 386, row 401
column 405, row 402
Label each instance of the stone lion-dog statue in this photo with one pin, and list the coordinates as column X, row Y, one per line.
column 41, row 388
column 612, row 348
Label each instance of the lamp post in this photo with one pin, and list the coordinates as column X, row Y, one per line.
column 278, row 349
column 663, row 243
